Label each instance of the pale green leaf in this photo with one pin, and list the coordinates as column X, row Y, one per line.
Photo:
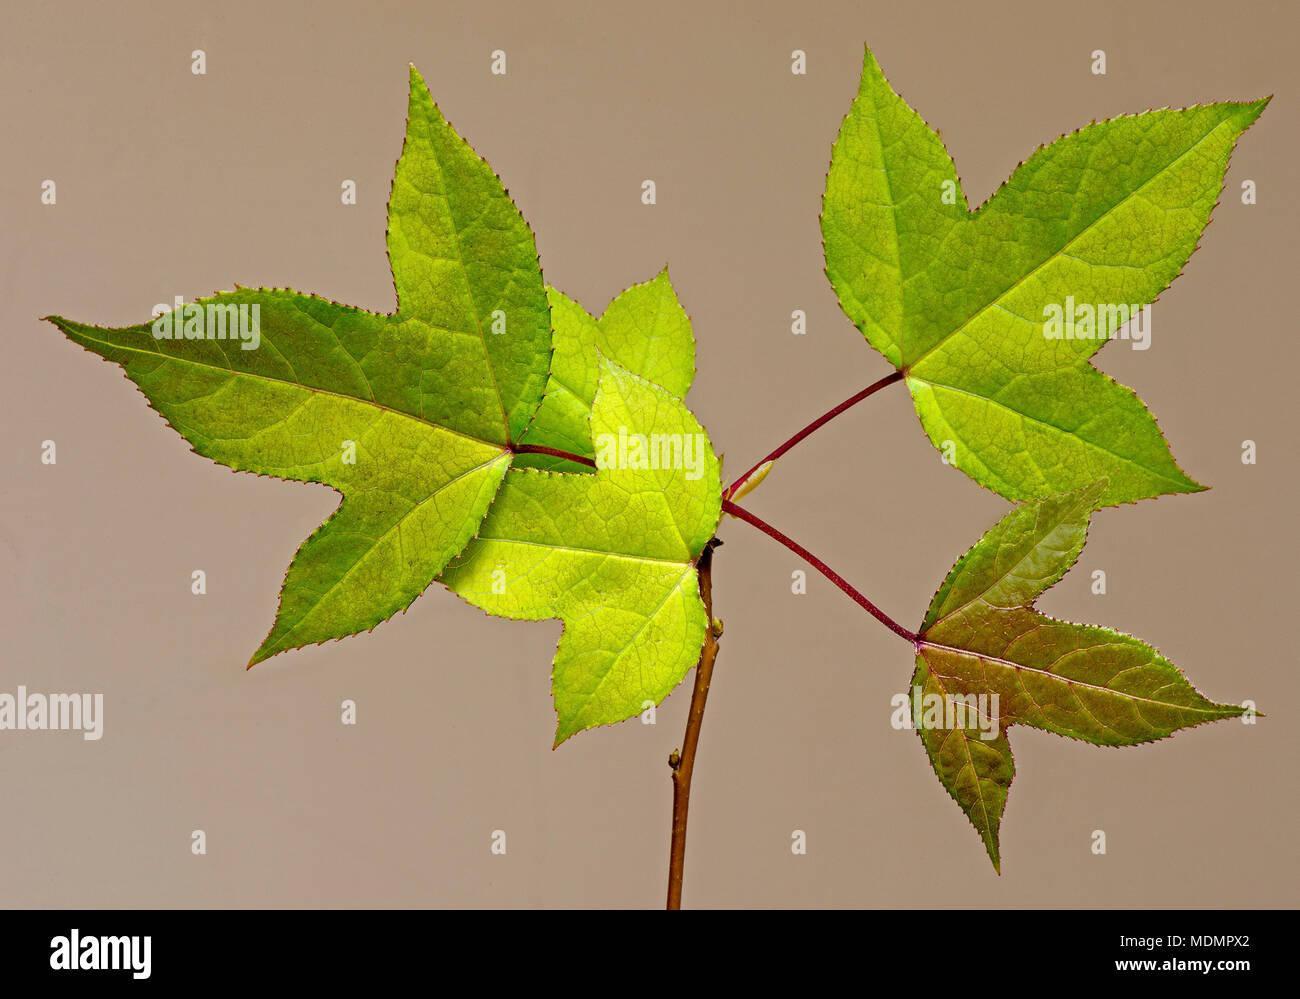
column 612, row 554
column 644, row 329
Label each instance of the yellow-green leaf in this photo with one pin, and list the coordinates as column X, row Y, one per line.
column 411, row 416
column 969, row 304
column 611, row 554
column 644, row 330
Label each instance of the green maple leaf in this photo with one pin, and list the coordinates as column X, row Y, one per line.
column 612, row 554
column 982, row 637
column 957, row 300
column 413, row 416
column 644, row 329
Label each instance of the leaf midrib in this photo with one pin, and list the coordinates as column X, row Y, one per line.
column 464, row 273
column 396, row 525
column 577, row 550
column 987, row 834
column 1066, row 515
column 1022, row 667
column 668, row 595
column 1043, row 423
column 997, row 298
column 893, row 211
column 503, row 448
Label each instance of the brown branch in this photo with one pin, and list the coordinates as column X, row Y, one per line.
column 683, row 763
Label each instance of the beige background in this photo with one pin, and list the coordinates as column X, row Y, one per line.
column 174, row 184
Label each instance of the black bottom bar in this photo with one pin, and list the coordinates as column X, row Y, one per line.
column 970, row 949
